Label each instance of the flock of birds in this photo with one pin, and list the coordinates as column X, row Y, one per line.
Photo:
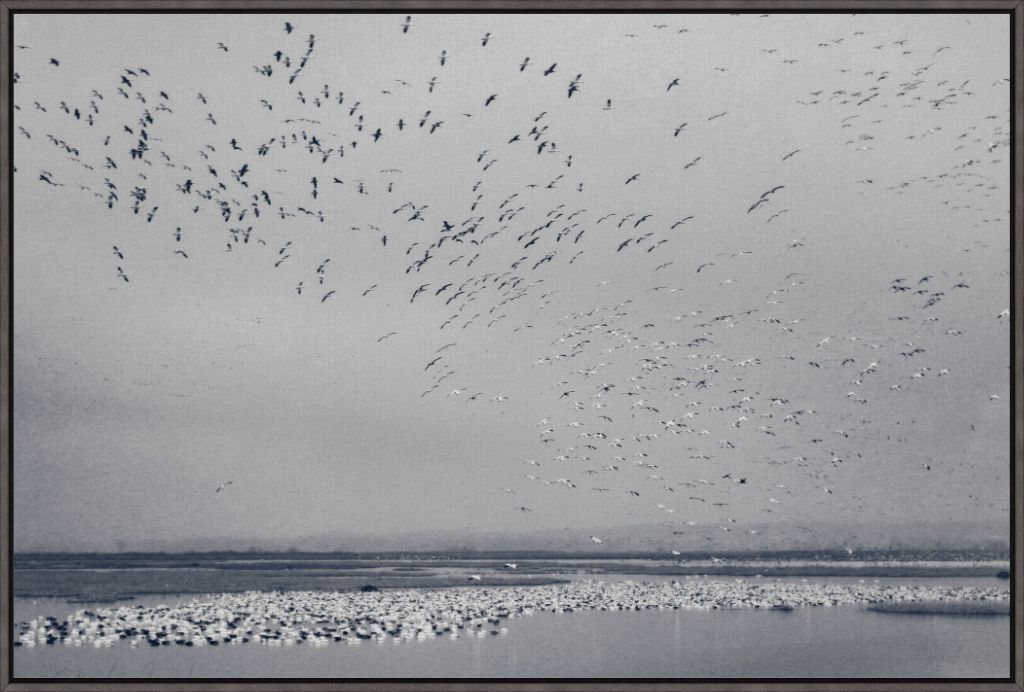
column 318, row 618
column 688, row 382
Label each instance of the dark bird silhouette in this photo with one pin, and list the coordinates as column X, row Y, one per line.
column 418, row 291
column 757, row 204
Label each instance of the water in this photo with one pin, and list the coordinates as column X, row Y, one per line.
column 840, row 642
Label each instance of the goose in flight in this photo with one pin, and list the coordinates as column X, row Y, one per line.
column 757, row 204
column 418, row 291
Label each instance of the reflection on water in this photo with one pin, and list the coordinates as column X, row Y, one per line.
column 844, row 641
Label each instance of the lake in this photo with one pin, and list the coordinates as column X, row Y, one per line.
column 840, row 642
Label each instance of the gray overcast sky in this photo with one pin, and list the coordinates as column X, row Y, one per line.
column 135, row 400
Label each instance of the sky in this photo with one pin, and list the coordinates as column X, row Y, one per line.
column 796, row 179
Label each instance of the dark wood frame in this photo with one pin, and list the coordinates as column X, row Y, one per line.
column 1015, row 8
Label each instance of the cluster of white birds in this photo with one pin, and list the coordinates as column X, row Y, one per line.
column 319, row 618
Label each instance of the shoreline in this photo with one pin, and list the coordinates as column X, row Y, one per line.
column 96, row 584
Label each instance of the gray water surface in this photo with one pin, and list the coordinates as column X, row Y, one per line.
column 840, row 642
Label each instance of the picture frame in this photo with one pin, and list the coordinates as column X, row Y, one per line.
column 10, row 9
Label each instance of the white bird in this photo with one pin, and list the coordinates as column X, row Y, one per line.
column 222, row 486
